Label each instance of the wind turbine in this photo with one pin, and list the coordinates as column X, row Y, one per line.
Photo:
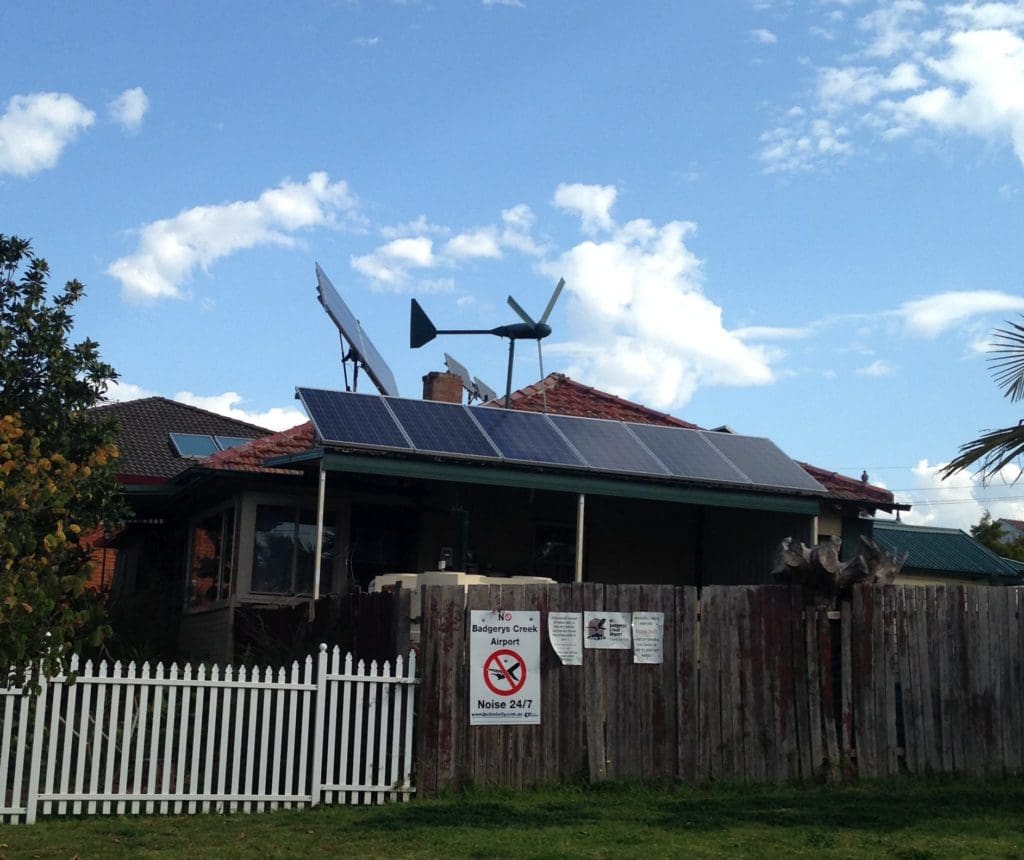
column 422, row 330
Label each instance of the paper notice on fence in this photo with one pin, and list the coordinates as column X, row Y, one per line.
column 648, row 637
column 606, row 630
column 565, row 630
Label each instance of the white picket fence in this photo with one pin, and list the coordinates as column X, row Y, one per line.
column 121, row 741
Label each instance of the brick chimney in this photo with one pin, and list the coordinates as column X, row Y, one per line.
column 442, row 386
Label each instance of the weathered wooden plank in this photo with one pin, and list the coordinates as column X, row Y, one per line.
column 863, row 687
column 574, row 735
column 747, row 681
column 727, row 675
column 971, row 750
column 846, row 723
column 665, row 750
column 941, row 644
column 769, row 599
column 758, row 717
column 594, row 693
column 813, row 660
column 788, row 725
column 891, row 679
column 1016, row 646
column 687, row 642
column 826, row 651
column 801, row 724
column 931, row 678
column 905, row 649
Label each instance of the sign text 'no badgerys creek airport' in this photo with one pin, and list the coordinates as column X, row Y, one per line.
column 504, row 668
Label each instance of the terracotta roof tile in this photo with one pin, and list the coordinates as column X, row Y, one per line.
column 565, row 396
column 251, row 456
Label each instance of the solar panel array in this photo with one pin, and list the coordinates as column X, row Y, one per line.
column 533, row 438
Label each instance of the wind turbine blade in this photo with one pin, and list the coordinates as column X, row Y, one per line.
column 554, row 298
column 518, row 309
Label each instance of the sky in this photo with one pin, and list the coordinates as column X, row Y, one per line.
column 801, row 220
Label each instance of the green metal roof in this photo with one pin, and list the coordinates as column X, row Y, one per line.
column 942, row 550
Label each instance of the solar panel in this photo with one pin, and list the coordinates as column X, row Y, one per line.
column 527, row 437
column 445, row 428
column 608, row 445
column 761, row 461
column 193, row 444
column 687, row 454
column 225, row 442
column 375, row 366
column 345, row 418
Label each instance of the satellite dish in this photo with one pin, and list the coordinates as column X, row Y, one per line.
column 476, row 389
column 422, row 330
column 361, row 350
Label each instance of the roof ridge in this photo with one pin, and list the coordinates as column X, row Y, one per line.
column 179, row 403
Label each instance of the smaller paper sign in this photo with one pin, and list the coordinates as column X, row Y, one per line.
column 648, row 636
column 565, row 630
column 606, row 630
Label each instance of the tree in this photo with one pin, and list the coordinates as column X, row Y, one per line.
column 989, row 533
column 995, row 449
column 57, row 477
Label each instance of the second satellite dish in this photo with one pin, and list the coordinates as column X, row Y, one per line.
column 361, row 350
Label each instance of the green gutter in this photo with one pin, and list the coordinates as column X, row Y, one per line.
column 461, row 473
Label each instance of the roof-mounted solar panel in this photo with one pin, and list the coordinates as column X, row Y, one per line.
column 225, row 442
column 345, row 418
column 442, row 428
column 608, row 446
column 763, row 462
column 687, row 454
column 526, row 437
column 193, row 444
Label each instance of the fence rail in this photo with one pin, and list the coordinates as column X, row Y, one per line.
column 126, row 739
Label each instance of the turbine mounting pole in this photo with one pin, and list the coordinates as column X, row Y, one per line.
column 508, row 379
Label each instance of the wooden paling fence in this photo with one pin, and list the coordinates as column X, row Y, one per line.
column 754, row 685
column 182, row 740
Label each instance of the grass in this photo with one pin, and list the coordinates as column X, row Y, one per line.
column 905, row 819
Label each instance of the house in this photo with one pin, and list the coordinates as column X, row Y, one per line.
column 1010, row 530
column 944, row 556
column 236, row 531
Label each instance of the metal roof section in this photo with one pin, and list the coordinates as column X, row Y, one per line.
column 598, row 447
column 942, row 550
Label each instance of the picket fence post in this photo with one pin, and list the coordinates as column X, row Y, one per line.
column 318, row 725
column 37, row 751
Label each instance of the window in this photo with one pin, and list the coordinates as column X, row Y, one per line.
column 211, row 551
column 284, row 550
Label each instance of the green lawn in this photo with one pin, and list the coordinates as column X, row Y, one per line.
column 902, row 819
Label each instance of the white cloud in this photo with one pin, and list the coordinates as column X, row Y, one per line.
column 171, row 249
column 418, row 227
column 518, row 226
column 959, row 501
column 482, row 242
column 593, row 203
column 926, row 69
column 389, row 264
column 275, row 418
column 641, row 325
column 879, row 367
column 128, row 109
column 366, row 41
column 36, row 128
column 766, row 332
column 933, row 315
column 764, row 37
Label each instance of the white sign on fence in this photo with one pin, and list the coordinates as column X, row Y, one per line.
column 565, row 630
column 648, row 636
column 504, row 668
column 607, row 630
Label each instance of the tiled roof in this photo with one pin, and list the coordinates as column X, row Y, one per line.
column 146, row 453
column 565, row 396
column 849, row 489
column 568, row 397
column 251, row 456
column 1017, row 524
column 941, row 550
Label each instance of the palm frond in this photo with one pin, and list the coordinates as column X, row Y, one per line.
column 1007, row 360
column 991, row 452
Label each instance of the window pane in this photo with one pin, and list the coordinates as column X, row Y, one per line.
column 273, row 549
column 306, row 555
column 205, row 562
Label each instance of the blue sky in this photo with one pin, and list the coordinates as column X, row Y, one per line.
column 800, row 220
